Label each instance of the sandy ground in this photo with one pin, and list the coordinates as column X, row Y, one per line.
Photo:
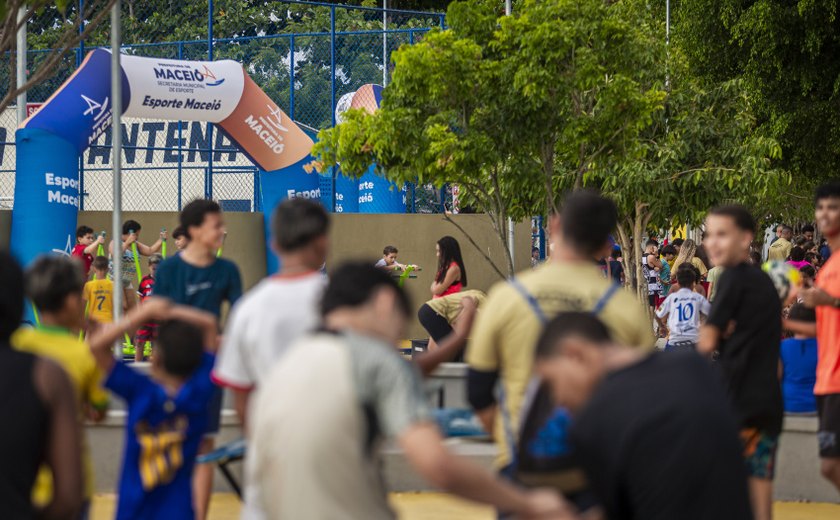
column 437, row 506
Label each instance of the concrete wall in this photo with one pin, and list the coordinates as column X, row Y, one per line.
column 353, row 236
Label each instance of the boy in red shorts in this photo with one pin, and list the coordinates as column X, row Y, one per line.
column 146, row 333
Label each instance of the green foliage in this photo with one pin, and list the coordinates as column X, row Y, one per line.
column 508, row 108
column 786, row 54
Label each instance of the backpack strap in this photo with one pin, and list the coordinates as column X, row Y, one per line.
column 532, row 301
column 605, row 299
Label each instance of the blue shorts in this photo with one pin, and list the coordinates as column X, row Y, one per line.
column 214, row 413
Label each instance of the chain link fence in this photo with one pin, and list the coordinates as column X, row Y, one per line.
column 304, row 55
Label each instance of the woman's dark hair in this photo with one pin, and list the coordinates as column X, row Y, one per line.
column 450, row 251
column 131, row 226
column 808, row 270
column 797, row 254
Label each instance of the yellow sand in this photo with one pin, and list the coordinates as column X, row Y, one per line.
column 438, row 506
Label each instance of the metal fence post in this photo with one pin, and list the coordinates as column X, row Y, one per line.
column 80, row 55
column 180, row 138
column 332, row 94
column 292, row 77
column 208, row 182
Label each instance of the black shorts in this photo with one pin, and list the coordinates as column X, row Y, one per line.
column 435, row 324
column 214, row 413
column 828, row 434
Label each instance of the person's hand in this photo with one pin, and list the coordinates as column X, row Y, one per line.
column 546, row 503
column 100, row 239
column 155, row 309
column 132, row 238
column 163, row 235
column 463, row 325
column 815, row 297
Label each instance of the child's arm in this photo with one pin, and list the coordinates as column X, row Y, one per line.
column 94, row 246
column 800, row 327
column 102, row 340
column 145, row 250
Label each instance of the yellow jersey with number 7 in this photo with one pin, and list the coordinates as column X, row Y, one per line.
column 99, row 295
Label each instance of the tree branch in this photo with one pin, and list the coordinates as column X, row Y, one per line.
column 476, row 246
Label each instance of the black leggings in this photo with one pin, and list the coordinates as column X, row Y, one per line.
column 435, row 324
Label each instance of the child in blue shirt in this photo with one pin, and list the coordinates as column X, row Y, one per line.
column 798, row 359
column 167, row 411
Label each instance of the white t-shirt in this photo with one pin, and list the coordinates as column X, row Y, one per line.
column 683, row 309
column 263, row 324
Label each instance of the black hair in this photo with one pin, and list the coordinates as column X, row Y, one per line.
column 686, row 275
column 829, row 190
column 129, row 226
column 669, row 250
column 808, row 270
column 566, row 325
column 100, row 263
column 353, row 284
column 807, row 228
column 81, row 231
column 11, row 297
column 797, row 254
column 389, row 250
column 755, row 256
column 740, row 216
column 194, row 213
column 678, row 242
column 180, row 346
column 652, row 242
column 179, row 232
column 808, row 245
column 799, row 312
column 450, row 251
column 50, row 279
column 297, row 222
column 587, row 220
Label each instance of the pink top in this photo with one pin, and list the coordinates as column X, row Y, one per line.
column 455, row 287
column 798, row 265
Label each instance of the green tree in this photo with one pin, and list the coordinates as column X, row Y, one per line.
column 786, row 54
column 66, row 34
column 508, row 108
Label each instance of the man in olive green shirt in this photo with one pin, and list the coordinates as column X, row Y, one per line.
column 780, row 249
column 504, row 338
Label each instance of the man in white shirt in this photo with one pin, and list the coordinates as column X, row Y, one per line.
column 279, row 310
column 683, row 309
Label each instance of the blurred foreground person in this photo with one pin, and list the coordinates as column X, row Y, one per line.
column 37, row 400
column 653, row 432
column 318, row 419
column 167, row 410
column 743, row 333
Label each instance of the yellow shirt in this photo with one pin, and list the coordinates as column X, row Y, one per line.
column 779, row 250
column 75, row 358
column 450, row 306
column 99, row 295
column 507, row 328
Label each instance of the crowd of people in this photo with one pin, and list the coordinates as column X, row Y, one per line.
column 589, row 418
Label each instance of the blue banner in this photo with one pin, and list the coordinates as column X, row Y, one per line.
column 346, row 194
column 279, row 185
column 80, row 111
column 379, row 195
column 46, row 195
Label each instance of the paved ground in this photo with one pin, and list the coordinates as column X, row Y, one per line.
column 436, row 506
